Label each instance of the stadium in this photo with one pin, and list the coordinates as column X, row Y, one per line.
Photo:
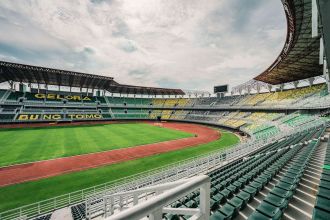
column 77, row 146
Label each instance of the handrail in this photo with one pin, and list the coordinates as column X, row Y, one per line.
column 154, row 207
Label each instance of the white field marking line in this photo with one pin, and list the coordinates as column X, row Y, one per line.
column 79, row 155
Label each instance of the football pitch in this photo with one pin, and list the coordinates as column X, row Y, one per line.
column 34, row 144
column 26, row 193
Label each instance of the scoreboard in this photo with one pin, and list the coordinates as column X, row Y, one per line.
column 221, row 89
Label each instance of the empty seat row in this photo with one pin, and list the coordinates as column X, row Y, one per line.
column 78, row 212
column 277, row 200
column 322, row 203
column 45, row 217
column 265, row 172
column 230, row 209
column 234, row 185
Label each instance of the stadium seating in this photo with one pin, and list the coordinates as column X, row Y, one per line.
column 236, row 185
column 6, row 117
column 166, row 114
column 322, row 204
column 158, row 102
column 78, row 211
column 180, row 114
column 254, row 99
column 2, row 93
column 258, row 123
column 45, row 217
column 14, row 96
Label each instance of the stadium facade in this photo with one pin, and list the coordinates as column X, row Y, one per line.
column 284, row 112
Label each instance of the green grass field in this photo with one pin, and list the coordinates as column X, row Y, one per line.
column 27, row 193
column 34, row 144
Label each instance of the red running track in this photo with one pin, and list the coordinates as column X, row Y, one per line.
column 37, row 170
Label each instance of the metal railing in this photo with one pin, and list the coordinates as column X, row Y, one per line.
column 163, row 195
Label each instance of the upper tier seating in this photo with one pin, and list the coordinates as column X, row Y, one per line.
column 14, row 96
column 2, row 93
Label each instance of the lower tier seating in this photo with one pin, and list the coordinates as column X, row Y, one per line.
column 322, row 205
column 78, row 211
column 45, row 217
column 235, row 186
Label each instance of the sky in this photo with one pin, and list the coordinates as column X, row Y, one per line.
column 188, row 44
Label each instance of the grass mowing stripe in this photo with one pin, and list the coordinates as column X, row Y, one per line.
column 27, row 145
column 30, row 192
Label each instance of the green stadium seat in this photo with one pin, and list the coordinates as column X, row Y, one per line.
column 250, row 190
column 191, row 204
column 219, row 198
column 292, row 175
column 266, row 176
column 220, row 186
column 289, row 180
column 228, row 211
column 322, row 203
column 269, row 210
column 246, row 197
column 281, row 193
column 277, row 201
column 214, row 205
column 238, row 184
column 233, row 188
column 256, row 185
column 176, row 204
column 184, row 199
column 172, row 217
column 214, row 191
column 286, row 186
column 226, row 193
column 244, row 179
column 258, row 216
column 326, row 177
column 326, row 172
column 262, row 181
column 319, row 214
column 323, row 192
column 218, row 216
column 325, row 184
column 236, row 202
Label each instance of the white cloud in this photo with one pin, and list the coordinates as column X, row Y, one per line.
column 191, row 44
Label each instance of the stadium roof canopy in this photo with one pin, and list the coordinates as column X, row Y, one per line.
column 299, row 58
column 40, row 75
